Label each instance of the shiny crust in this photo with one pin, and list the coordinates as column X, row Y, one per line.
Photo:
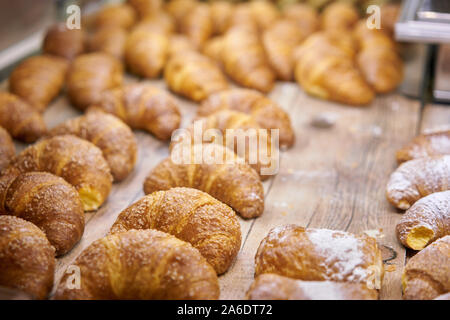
column 325, row 68
column 197, row 25
column 78, row 161
column 145, row 7
column 89, row 75
column 26, row 257
column 194, row 76
column 141, row 265
column 109, row 134
column 143, row 106
column 416, row 179
column 7, row 149
column 245, row 61
column 271, row 286
column 119, row 15
column 425, row 145
column 63, row 42
column 51, row 204
column 192, row 216
column 109, row 39
column 319, row 254
column 38, row 79
column 265, row 111
column 427, row 274
column 304, row 15
column 235, row 183
column 426, row 221
column 339, row 16
column 20, row 119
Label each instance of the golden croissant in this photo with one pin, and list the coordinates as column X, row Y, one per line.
column 64, row 42
column 264, row 12
column 416, row 179
column 426, row 275
column 7, row 149
column 78, row 161
column 213, row 49
column 116, row 16
column 158, row 22
column 141, row 265
column 305, row 16
column 109, row 134
column 109, row 39
column 38, row 80
column 20, row 119
column 226, row 178
column 145, row 7
column 339, row 16
column 221, row 12
column 319, row 254
column 26, row 257
column 194, row 76
column 178, row 9
column 271, row 286
column 192, row 216
column 50, row 203
column 89, row 75
column 197, row 24
column 265, row 111
column 179, row 43
column 427, row 220
column 143, row 106
column 426, row 145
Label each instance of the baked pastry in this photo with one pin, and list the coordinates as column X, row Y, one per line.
column 271, row 286
column 416, row 179
column 389, row 16
column 427, row 220
column 159, row 22
column 7, row 149
column 326, row 70
column 319, row 254
column 221, row 12
column 180, row 8
column 109, row 134
column 426, row 145
column 89, row 75
column 226, row 178
column 116, row 16
column 245, row 61
column 304, row 15
column 146, row 52
column 109, row 39
column 179, row 43
column 78, row 161
column 197, row 24
column 426, row 275
column 264, row 12
column 141, row 265
column 63, row 42
column 377, row 58
column 265, row 111
column 50, row 203
column 191, row 215
column 143, row 106
column 213, row 49
column 194, row 76
column 38, row 80
column 243, row 16
column 339, row 15
column 26, row 257
column 146, row 7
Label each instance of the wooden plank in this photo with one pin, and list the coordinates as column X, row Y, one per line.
column 435, row 117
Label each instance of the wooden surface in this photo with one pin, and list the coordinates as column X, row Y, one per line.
column 332, row 178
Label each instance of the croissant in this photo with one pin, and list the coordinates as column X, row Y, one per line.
column 271, row 286
column 116, row 16
column 20, row 119
column 109, row 134
column 143, row 106
column 427, row 220
column 243, row 16
column 38, row 79
column 89, row 75
column 377, row 59
column 192, row 216
column 389, row 16
column 50, row 203
column 426, row 275
column 324, row 69
column 264, row 110
column 245, row 61
column 141, row 265
column 194, row 76
column 319, row 254
column 339, row 16
column 264, row 12
column 426, row 145
column 78, row 161
column 159, row 22
column 279, row 41
column 221, row 12
column 146, row 7
column 197, row 25
column 213, row 50
column 416, row 179
column 109, row 39
column 228, row 179
column 179, row 44
column 26, row 257
column 7, row 149
column 178, row 9
column 146, row 52
column 305, row 16
column 63, row 42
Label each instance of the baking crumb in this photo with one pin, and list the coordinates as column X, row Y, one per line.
column 375, row 233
